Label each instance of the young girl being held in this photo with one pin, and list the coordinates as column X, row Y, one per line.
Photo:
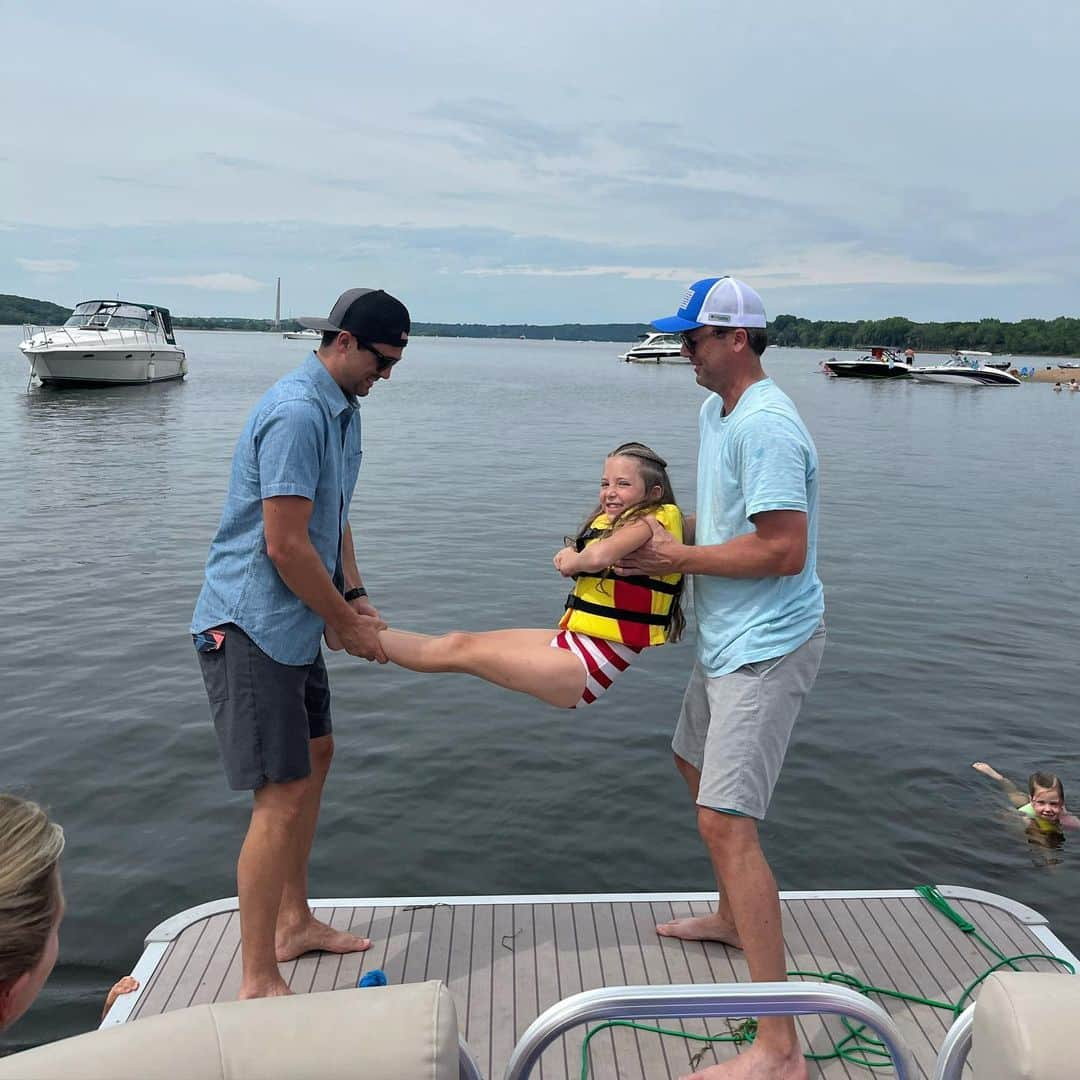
column 608, row 619
column 1045, row 801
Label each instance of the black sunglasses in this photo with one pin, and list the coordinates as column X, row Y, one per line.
column 382, row 361
column 690, row 344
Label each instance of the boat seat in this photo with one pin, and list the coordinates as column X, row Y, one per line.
column 1023, row 1026
column 406, row 1032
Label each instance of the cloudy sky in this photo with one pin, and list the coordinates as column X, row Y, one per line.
column 571, row 161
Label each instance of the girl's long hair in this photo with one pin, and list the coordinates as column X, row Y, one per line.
column 30, row 846
column 653, row 469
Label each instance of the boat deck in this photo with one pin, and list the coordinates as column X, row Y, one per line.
column 507, row 958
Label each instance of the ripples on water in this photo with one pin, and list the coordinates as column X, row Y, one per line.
column 949, row 528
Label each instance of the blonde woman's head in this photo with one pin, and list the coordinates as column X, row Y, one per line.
column 31, row 903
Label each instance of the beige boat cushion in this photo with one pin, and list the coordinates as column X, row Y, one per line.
column 390, row 1032
column 1025, row 1027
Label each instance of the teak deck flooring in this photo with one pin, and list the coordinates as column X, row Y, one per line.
column 506, row 959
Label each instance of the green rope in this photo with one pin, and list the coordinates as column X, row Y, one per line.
column 855, row 1047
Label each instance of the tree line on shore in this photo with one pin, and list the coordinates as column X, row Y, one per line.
column 1028, row 337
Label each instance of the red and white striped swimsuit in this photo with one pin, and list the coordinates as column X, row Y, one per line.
column 602, row 660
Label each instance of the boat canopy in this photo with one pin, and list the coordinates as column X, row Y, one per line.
column 120, row 315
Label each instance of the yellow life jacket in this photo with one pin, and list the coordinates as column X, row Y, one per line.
column 633, row 610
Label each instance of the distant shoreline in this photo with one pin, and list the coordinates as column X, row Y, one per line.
column 1033, row 338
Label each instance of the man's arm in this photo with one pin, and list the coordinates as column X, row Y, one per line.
column 776, row 548
column 348, row 561
column 362, row 605
column 289, row 547
column 602, row 554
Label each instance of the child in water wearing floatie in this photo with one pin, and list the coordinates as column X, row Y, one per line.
column 608, row 620
column 1044, row 804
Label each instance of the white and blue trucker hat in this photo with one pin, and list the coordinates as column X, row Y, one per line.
column 722, row 301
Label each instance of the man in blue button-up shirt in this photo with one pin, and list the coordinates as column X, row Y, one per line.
column 281, row 572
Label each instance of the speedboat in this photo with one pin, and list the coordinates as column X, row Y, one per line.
column 965, row 369
column 302, row 335
column 656, row 348
column 105, row 343
column 880, row 362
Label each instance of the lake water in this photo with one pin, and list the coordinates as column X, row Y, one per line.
column 950, row 528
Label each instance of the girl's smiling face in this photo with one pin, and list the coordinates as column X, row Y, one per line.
column 621, row 486
column 1047, row 804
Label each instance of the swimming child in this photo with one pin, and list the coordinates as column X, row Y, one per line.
column 1045, row 801
column 608, row 619
column 1057, row 388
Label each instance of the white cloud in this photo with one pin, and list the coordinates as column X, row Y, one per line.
column 48, row 266
column 840, row 264
column 843, row 264
column 631, row 273
column 224, row 282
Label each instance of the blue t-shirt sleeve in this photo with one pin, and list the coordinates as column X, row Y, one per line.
column 289, row 449
column 773, row 463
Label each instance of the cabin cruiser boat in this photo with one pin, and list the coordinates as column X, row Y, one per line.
column 105, row 343
column 880, row 362
column 656, row 348
column 302, row 335
column 965, row 369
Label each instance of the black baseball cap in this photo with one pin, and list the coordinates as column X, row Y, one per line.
column 368, row 314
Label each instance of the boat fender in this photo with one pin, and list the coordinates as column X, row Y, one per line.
column 373, row 978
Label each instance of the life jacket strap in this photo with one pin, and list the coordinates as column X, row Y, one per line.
column 620, row 614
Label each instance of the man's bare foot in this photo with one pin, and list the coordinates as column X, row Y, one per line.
column 127, row 985
column 756, row 1063
column 315, row 936
column 701, row 928
column 262, row 988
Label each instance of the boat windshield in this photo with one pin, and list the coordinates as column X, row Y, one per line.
column 111, row 315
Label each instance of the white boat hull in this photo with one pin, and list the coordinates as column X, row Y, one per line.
column 106, row 367
column 965, row 376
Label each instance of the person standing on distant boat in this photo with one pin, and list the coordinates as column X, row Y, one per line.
column 281, row 570
column 759, row 607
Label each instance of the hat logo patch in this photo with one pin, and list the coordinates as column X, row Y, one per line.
column 716, row 316
column 689, row 295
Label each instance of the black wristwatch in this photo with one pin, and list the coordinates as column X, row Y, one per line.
column 355, row 593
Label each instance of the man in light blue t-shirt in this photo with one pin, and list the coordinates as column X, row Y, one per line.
column 752, row 549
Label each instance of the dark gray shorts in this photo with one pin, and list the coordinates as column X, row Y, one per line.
column 265, row 713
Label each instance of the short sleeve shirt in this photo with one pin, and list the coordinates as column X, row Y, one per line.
column 758, row 458
column 301, row 439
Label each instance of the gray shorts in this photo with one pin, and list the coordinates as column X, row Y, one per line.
column 734, row 729
column 265, row 713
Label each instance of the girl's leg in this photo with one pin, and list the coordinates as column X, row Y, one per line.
column 521, row 660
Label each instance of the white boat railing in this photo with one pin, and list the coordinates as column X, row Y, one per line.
column 714, row 1000
column 117, row 335
column 956, row 1047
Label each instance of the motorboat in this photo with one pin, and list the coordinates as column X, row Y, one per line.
column 302, row 335
column 965, row 369
column 105, row 343
column 879, row 362
column 656, row 348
